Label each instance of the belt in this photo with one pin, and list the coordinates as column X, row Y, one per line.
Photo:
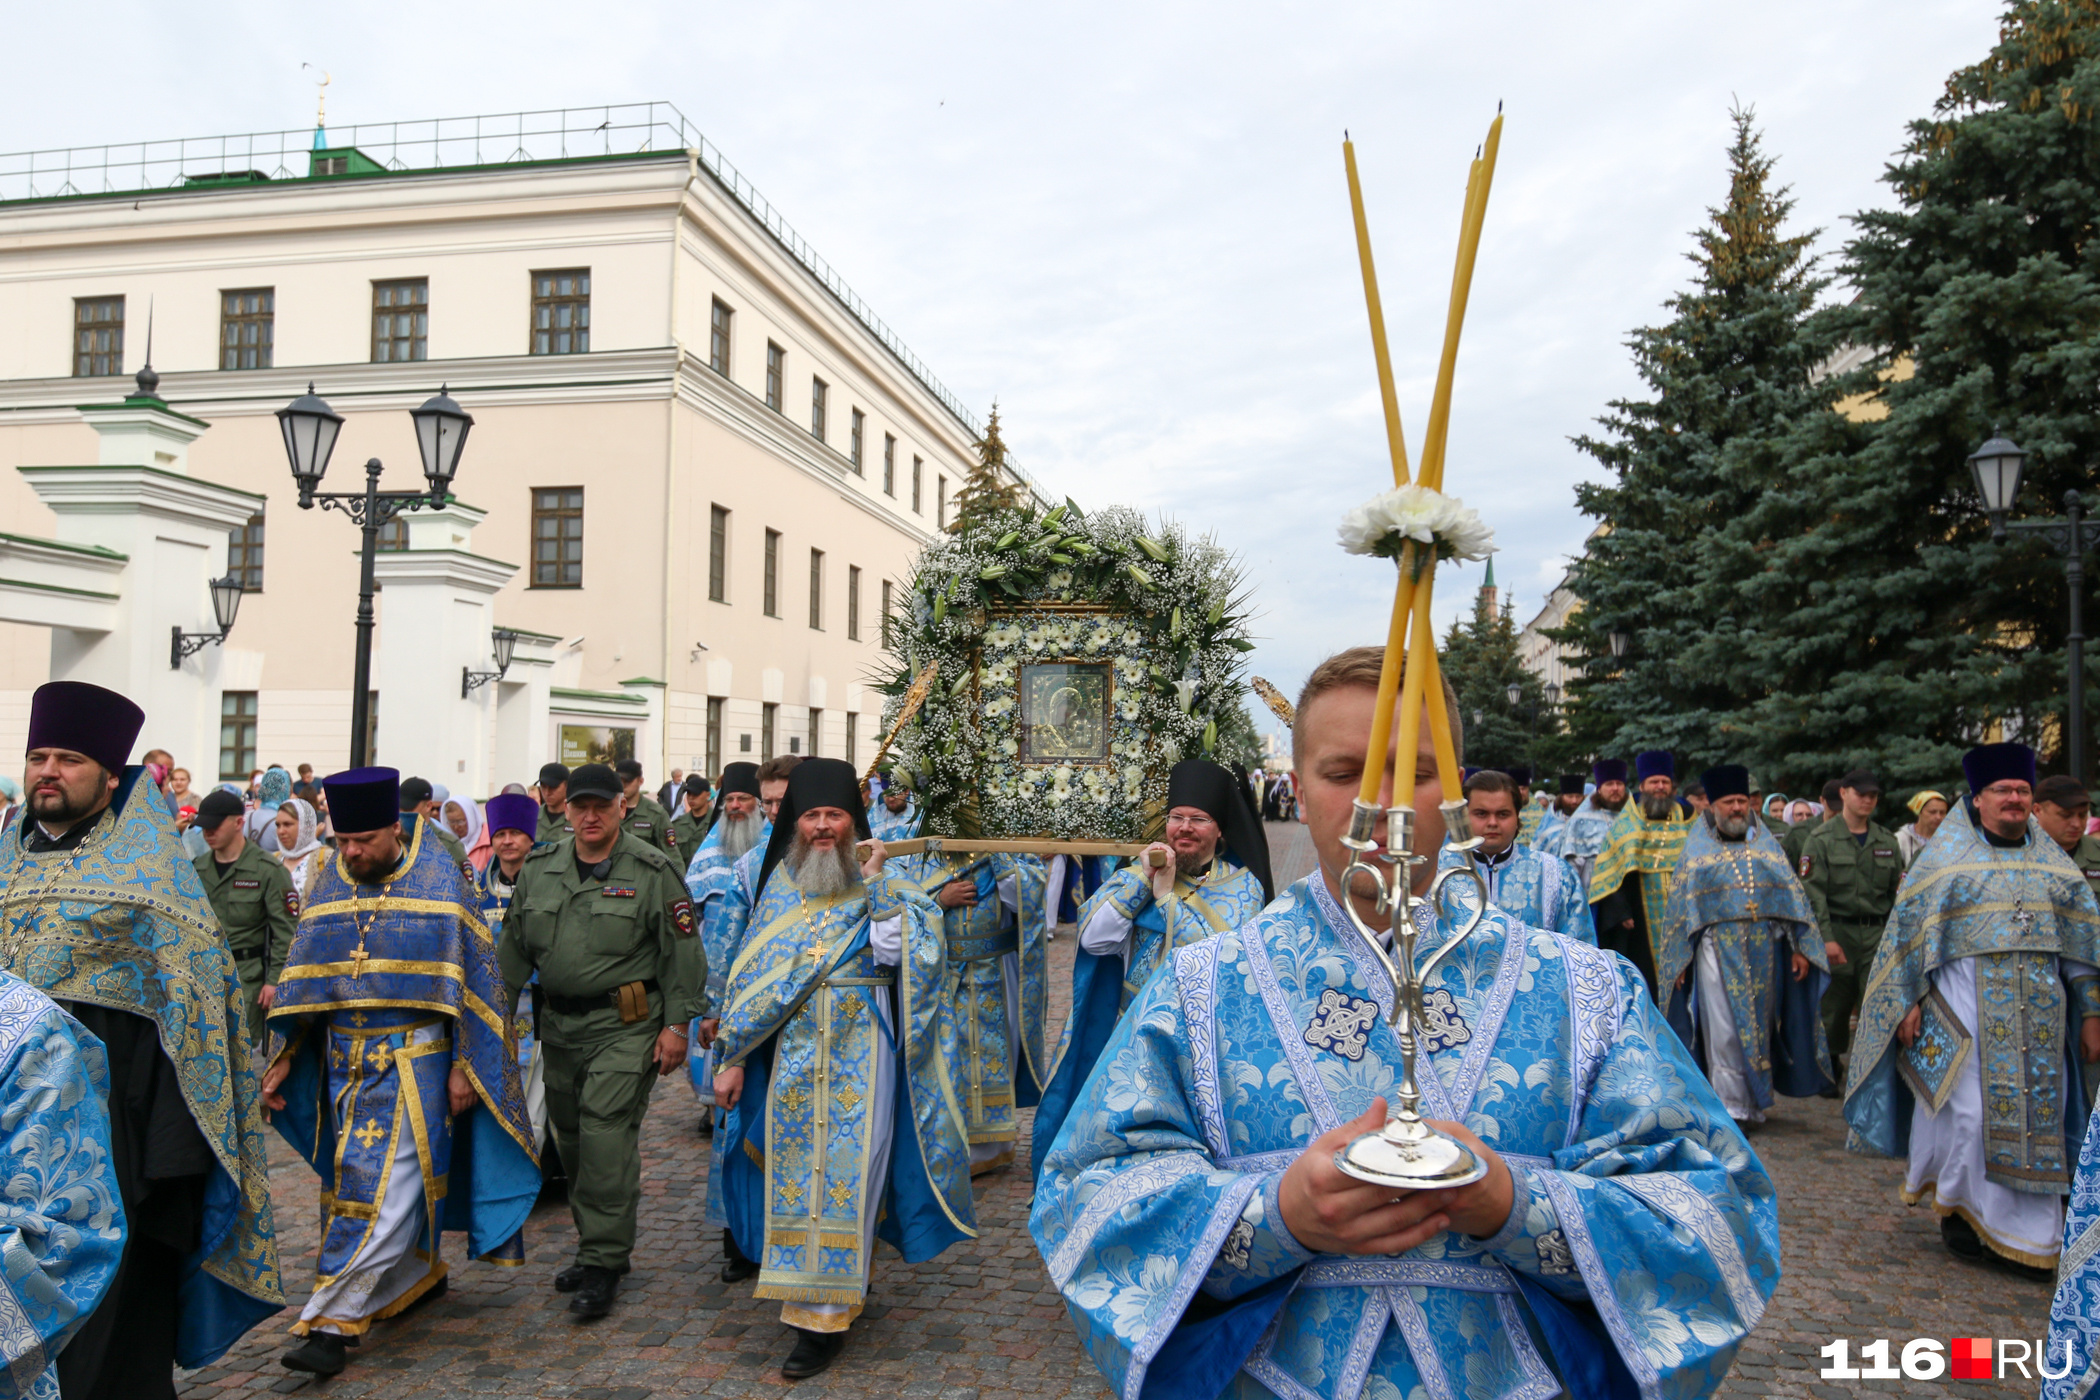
column 596, row 1001
column 977, row 949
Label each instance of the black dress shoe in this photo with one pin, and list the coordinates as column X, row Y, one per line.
column 814, row 1352
column 321, row 1354
column 738, row 1265
column 594, row 1293
column 1960, row 1237
column 567, row 1279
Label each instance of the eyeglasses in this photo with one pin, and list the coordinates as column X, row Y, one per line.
column 1198, row 822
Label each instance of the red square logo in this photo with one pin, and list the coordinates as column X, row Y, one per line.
column 1972, row 1358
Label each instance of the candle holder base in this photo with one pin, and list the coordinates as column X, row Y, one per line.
column 1411, row 1156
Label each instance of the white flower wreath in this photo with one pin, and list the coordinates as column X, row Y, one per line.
column 1385, row 523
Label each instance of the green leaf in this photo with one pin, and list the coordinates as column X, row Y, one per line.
column 1239, row 644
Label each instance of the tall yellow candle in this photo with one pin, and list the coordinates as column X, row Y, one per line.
column 1387, row 394
column 1389, row 677
column 1482, row 177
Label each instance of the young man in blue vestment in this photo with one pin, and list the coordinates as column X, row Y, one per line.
column 1534, row 889
column 834, row 1058
column 391, row 1022
column 1624, row 1241
column 1741, row 956
column 1982, row 1005
column 1553, row 826
column 1216, row 877
column 896, row 816
column 104, row 914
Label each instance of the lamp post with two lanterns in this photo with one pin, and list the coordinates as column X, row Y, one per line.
column 1996, row 468
column 1515, row 694
column 310, row 430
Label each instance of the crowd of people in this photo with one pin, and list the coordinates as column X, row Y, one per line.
column 445, row 1003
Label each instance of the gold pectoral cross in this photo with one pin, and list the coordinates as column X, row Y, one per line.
column 359, row 958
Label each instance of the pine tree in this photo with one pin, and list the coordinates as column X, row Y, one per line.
column 991, row 486
column 1479, row 658
column 1734, row 360
column 1891, row 630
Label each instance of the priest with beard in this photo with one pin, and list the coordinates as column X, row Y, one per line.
column 1588, row 824
column 1553, row 827
column 833, row 1060
column 1742, row 957
column 1630, row 886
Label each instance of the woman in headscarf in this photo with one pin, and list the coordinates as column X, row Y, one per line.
column 299, row 848
column 1930, row 809
column 272, row 793
column 1802, row 810
column 1775, row 807
column 463, row 819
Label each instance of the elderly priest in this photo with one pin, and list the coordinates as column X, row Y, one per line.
column 391, row 1023
column 1983, row 1001
column 1625, row 1239
column 104, row 913
column 1630, row 886
column 834, row 1056
column 1216, row 878
column 1588, row 826
column 1742, row 957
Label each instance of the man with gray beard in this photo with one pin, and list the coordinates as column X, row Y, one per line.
column 833, row 1062
column 1740, row 957
column 1630, row 883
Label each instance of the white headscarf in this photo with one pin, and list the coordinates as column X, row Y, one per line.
column 474, row 818
column 309, row 839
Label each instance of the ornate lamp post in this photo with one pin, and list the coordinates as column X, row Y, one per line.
column 503, row 642
column 310, row 429
column 1996, row 467
column 225, row 606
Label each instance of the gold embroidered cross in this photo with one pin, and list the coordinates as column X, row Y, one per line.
column 848, row 1098
column 793, row 1099
column 380, row 1057
column 792, row 1194
column 369, row 1133
column 358, row 1018
column 840, row 1193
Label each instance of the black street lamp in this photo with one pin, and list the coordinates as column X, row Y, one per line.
column 504, row 642
column 1996, row 467
column 225, row 606
column 310, row 430
column 1618, row 641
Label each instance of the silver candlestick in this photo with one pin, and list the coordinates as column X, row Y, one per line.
column 1407, row 1154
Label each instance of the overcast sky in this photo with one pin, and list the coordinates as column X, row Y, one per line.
column 1129, row 222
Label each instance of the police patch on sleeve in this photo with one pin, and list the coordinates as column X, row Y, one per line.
column 682, row 917
column 1808, row 863
column 291, row 903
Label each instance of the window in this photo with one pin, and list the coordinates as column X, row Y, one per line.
column 717, row 555
column 393, row 536
column 852, row 738
column 889, row 465
column 885, row 614
column 98, row 336
column 400, row 321
column 776, row 370
column 918, row 473
column 244, row 554
column 561, row 312
column 853, row 602
column 557, row 537
column 236, row 735
column 816, row 590
column 772, row 608
column 816, row 732
column 247, row 325
column 714, row 733
column 860, row 424
column 941, row 517
column 768, row 720
column 718, row 338
column 819, row 391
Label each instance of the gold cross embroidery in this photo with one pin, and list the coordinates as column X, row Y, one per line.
column 358, row 1018
column 840, row 1193
column 792, row 1194
column 380, row 1057
column 793, row 1099
column 369, row 1133
column 848, row 1098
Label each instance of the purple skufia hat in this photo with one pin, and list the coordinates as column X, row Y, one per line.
column 1991, row 763
column 363, row 799
column 1609, row 770
column 1655, row 763
column 86, row 719
column 512, row 811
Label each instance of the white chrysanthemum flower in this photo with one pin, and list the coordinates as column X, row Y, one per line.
column 1414, row 512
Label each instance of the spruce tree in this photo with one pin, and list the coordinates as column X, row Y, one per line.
column 1734, row 359
column 1479, row 658
column 1891, row 630
column 991, row 486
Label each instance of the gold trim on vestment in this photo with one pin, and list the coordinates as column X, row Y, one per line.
column 817, row 1322
column 1930, row 1190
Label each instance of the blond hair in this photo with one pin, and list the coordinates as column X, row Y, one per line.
column 1360, row 666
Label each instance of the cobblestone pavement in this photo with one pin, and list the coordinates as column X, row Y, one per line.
column 982, row 1323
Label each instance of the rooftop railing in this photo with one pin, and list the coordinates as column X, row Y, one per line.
column 618, row 131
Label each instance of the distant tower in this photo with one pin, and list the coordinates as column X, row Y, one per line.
column 1486, row 604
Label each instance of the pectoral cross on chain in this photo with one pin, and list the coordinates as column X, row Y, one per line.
column 2022, row 917
column 358, row 959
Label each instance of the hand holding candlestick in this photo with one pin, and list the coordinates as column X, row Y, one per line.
column 1407, row 1154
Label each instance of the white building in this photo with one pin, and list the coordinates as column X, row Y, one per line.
column 1541, row 655
column 698, row 461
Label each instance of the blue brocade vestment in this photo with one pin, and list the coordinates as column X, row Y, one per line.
column 1535, row 889
column 1642, row 1248
column 2074, row 1319
column 121, row 921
